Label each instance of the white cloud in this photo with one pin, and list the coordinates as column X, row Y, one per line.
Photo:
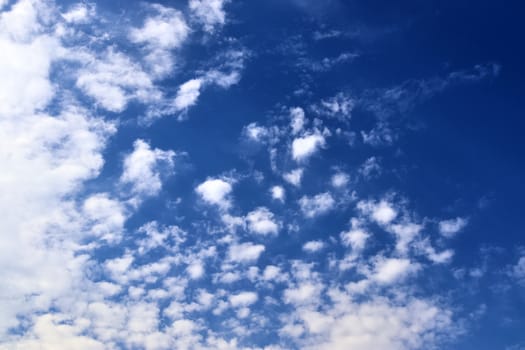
column 245, row 252
column 305, row 293
column 449, row 228
column 166, row 30
column 79, row 13
column 196, row 270
column 294, row 177
column 278, row 193
column 341, row 105
column 316, row 205
column 255, row 132
column 261, row 221
column 24, row 68
column 46, row 157
column 209, row 12
column 243, row 299
column 370, row 168
column 187, row 94
column 355, row 238
column 306, row 146
column 381, row 212
column 142, row 169
column 297, row 120
column 518, row 270
column 437, row 258
column 107, row 217
column 340, row 179
column 389, row 271
column 216, row 192
column 376, row 325
column 405, row 233
column 55, row 332
column 313, row 246
column 160, row 35
column 271, row 273
column 114, row 80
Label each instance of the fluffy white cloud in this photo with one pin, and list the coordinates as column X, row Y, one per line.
column 306, row 146
column 261, row 221
column 313, row 246
column 278, row 193
column 46, row 157
column 142, row 169
column 79, row 13
column 209, row 12
column 196, row 270
column 355, row 238
column 114, row 79
column 340, row 179
column 188, row 94
column 216, row 192
column 245, row 252
column 271, row 273
column 297, row 120
column 388, row 271
column 370, row 167
column 382, row 212
column 106, row 216
column 160, row 35
column 243, row 299
column 305, row 293
column 449, row 228
column 255, row 132
column 294, row 177
column 316, row 205
column 167, row 29
column 376, row 325
column 405, row 233
column 518, row 270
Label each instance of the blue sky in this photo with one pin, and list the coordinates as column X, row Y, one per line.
column 271, row 175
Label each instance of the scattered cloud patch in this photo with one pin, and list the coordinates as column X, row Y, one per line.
column 215, row 192
column 261, row 221
column 449, row 228
column 316, row 205
column 304, row 147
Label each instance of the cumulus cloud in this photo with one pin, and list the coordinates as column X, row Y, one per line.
column 142, row 169
column 304, row 147
column 187, row 94
column 113, row 80
column 382, row 212
column 518, row 270
column 297, row 120
column 313, row 246
column 160, row 34
column 294, row 177
column 245, row 252
column 167, row 29
column 278, row 193
column 79, row 13
column 388, row 271
column 216, row 192
column 340, row 180
column 209, row 12
column 261, row 221
column 243, row 299
column 449, row 228
column 316, row 205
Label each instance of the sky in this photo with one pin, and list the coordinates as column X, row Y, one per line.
column 262, row 175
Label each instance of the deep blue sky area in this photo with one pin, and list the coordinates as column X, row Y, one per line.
column 262, row 175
